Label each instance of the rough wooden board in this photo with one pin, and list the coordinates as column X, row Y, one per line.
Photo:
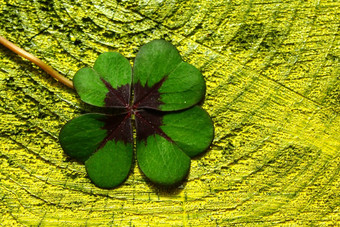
column 273, row 91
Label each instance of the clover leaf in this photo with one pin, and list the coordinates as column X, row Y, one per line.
column 170, row 128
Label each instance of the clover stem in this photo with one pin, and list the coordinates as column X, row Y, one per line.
column 48, row 69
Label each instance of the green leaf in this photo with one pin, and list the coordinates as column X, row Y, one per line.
column 183, row 88
column 166, row 142
column 109, row 166
column 162, row 161
column 81, row 136
column 155, row 60
column 192, row 130
column 104, row 143
column 107, row 84
column 163, row 81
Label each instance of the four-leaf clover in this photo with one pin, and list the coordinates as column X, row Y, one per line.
column 170, row 127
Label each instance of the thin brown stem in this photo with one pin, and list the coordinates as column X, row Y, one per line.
column 36, row 61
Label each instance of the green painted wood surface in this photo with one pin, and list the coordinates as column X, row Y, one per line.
column 273, row 91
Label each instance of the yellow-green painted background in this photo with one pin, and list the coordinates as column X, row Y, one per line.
column 273, row 92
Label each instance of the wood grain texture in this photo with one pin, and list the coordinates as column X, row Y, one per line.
column 273, row 91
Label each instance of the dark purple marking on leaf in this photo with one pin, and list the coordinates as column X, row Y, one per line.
column 119, row 97
column 149, row 123
column 148, row 97
column 118, row 128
